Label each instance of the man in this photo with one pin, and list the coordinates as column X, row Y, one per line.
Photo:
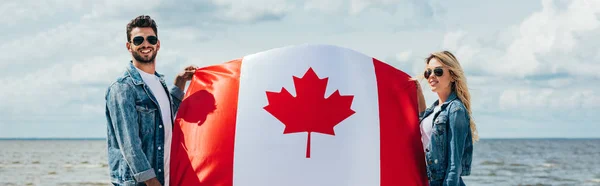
column 140, row 112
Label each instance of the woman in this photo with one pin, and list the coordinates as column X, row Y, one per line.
column 447, row 129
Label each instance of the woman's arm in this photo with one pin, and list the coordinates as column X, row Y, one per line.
column 457, row 136
column 421, row 98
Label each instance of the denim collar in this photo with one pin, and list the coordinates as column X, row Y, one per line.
column 451, row 97
column 137, row 78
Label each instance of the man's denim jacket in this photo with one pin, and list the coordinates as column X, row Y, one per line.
column 449, row 154
column 135, row 129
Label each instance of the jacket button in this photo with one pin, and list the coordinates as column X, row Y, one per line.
column 159, row 149
column 435, row 161
column 160, row 126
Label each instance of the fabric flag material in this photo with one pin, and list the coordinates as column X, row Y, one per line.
column 303, row 115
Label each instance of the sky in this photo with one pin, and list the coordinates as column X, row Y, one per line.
column 532, row 66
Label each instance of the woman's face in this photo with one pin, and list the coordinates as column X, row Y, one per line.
column 437, row 83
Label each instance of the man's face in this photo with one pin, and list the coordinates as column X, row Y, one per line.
column 146, row 51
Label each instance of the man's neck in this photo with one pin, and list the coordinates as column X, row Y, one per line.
column 149, row 68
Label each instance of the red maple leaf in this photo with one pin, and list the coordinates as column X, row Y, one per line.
column 309, row 111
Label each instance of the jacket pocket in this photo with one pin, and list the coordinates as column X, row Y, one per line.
column 439, row 125
column 147, row 119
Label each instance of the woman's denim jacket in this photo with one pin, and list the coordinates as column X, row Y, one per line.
column 449, row 154
column 135, row 136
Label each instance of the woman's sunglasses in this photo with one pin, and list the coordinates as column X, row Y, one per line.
column 138, row 40
column 438, row 71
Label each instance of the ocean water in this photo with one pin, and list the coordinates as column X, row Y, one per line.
column 495, row 162
column 53, row 162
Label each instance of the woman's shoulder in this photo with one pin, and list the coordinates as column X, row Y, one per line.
column 456, row 105
column 457, row 110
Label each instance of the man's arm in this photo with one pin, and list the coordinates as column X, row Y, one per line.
column 177, row 96
column 180, row 82
column 124, row 117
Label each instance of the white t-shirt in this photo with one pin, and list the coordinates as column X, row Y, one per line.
column 161, row 95
column 426, row 128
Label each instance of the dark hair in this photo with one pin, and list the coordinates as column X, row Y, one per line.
column 141, row 21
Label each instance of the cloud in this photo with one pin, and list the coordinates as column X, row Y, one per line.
column 66, row 42
column 60, row 88
column 538, row 69
column 410, row 7
column 62, row 68
column 408, row 62
column 550, row 30
column 465, row 53
column 194, row 12
column 404, row 56
column 217, row 14
column 14, row 13
column 522, row 69
column 331, row 6
column 551, row 41
column 251, row 11
column 357, row 6
column 531, row 99
column 509, row 126
column 115, row 9
column 406, row 9
column 549, row 99
column 72, row 87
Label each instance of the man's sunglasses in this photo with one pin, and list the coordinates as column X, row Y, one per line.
column 438, row 71
column 138, row 40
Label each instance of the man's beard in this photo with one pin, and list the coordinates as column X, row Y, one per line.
column 138, row 57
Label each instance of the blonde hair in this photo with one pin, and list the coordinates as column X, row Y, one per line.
column 459, row 85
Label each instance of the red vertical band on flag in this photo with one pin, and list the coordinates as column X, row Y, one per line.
column 402, row 157
column 204, row 130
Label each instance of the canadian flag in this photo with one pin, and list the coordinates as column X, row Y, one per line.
column 305, row 115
